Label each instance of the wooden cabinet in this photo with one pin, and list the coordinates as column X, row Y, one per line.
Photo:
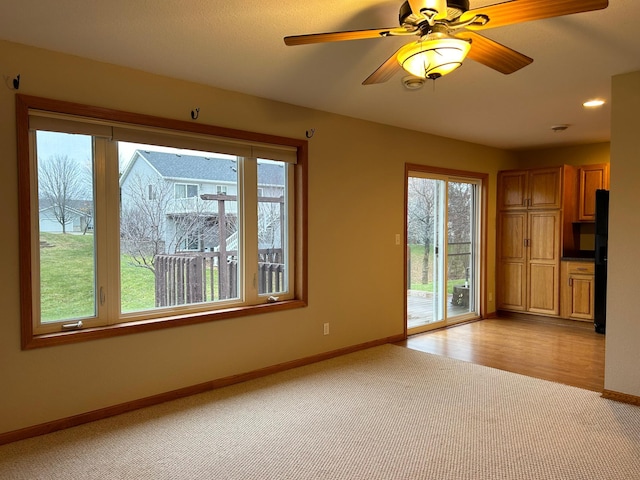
column 577, row 289
column 539, row 188
column 537, row 212
column 512, row 261
column 591, row 178
column 529, row 261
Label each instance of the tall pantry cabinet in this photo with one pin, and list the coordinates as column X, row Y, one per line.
column 530, row 229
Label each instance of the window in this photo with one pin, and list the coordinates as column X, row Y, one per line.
column 185, row 190
column 127, row 224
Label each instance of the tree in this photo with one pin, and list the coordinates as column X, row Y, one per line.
column 420, row 220
column 142, row 220
column 270, row 218
column 459, row 228
column 61, row 180
column 153, row 222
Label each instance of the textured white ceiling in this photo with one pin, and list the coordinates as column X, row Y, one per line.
column 237, row 45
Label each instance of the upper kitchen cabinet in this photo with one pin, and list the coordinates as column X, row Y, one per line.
column 592, row 178
column 533, row 189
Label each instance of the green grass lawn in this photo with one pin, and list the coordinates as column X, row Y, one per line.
column 417, row 254
column 67, row 279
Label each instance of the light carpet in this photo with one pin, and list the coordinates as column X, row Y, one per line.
column 383, row 413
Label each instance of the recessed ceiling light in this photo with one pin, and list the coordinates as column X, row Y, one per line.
column 593, row 103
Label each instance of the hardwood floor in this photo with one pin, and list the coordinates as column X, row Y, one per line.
column 561, row 351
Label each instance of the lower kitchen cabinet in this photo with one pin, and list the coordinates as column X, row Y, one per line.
column 577, row 289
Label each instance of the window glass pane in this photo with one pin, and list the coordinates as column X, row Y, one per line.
column 272, row 227
column 65, row 214
column 178, row 246
column 461, row 248
column 192, row 191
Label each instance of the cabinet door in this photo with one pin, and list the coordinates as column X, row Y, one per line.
column 581, row 306
column 592, row 178
column 543, row 289
column 512, row 257
column 512, row 190
column 545, row 188
column 543, row 272
column 577, row 290
column 540, row 188
column 512, row 292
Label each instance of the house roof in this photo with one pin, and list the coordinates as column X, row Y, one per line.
column 70, row 211
column 80, row 206
column 212, row 169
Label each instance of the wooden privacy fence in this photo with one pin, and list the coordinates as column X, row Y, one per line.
column 270, row 271
column 194, row 277
column 184, row 278
column 270, row 277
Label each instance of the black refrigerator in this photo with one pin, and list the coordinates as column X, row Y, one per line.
column 601, row 244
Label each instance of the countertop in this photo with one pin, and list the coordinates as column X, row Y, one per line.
column 577, row 259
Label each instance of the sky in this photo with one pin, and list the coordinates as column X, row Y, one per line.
column 78, row 147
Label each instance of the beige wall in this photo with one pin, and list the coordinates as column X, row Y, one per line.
column 573, row 155
column 622, row 366
column 356, row 193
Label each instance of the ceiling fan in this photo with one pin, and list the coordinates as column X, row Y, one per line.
column 447, row 31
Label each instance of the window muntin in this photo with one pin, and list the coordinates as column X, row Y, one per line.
column 108, row 288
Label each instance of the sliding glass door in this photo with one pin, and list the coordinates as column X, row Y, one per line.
column 443, row 234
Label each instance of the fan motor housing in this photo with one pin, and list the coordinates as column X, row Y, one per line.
column 455, row 8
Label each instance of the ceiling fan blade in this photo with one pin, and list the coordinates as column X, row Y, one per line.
column 493, row 54
column 385, row 71
column 341, row 36
column 440, row 6
column 518, row 11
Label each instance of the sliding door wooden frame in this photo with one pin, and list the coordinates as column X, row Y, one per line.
column 483, row 196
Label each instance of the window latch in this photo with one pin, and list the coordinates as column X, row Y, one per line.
column 72, row 326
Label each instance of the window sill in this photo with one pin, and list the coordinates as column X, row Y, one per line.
column 75, row 336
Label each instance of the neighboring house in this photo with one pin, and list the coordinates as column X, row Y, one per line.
column 78, row 214
column 182, row 191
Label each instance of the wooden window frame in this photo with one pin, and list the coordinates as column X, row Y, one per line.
column 483, row 196
column 299, row 223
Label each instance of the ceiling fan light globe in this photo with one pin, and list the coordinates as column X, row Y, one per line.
column 433, row 58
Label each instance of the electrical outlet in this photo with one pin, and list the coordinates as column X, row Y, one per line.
column 490, row 296
column 326, row 329
column 397, row 239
